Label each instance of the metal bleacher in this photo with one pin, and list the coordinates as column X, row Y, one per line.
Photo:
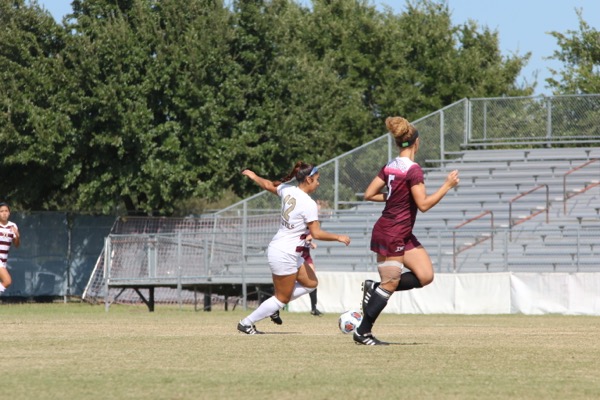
column 526, row 203
column 533, row 232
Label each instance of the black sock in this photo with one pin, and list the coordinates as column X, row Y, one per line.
column 313, row 299
column 377, row 303
column 408, row 281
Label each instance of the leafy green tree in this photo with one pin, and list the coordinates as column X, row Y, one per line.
column 33, row 123
column 149, row 79
column 428, row 63
column 580, row 54
column 296, row 105
column 411, row 63
column 108, row 61
column 141, row 105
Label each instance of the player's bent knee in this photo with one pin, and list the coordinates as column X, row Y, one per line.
column 309, row 283
column 283, row 299
column 426, row 280
column 312, row 285
column 390, row 272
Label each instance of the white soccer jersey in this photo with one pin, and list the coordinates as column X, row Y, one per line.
column 297, row 210
column 6, row 238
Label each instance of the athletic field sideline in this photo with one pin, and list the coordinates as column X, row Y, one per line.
column 78, row 351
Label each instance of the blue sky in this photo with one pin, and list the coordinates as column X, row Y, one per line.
column 522, row 25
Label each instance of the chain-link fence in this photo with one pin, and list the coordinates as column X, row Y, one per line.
column 58, row 253
column 60, row 250
column 546, row 121
column 173, row 262
column 467, row 124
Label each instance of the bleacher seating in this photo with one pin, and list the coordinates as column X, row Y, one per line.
column 514, row 210
column 533, row 232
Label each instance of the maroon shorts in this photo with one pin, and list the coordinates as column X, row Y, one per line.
column 305, row 253
column 392, row 239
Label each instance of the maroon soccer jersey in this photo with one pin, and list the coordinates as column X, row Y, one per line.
column 393, row 231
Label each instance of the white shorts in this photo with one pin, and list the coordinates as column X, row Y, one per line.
column 282, row 263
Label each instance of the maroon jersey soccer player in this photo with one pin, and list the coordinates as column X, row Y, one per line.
column 401, row 186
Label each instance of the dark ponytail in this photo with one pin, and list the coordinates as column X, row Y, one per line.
column 300, row 171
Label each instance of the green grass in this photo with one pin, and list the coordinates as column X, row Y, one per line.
column 70, row 351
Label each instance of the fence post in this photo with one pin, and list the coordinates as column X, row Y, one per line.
column 151, row 257
column 467, row 127
column 485, row 120
column 244, row 263
column 548, row 120
column 207, row 251
column 336, row 184
column 442, row 137
column 69, row 218
column 107, row 252
column 179, row 288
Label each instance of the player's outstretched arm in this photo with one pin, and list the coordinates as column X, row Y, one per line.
column 317, row 233
column 262, row 182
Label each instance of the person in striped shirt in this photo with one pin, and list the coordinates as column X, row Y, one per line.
column 9, row 235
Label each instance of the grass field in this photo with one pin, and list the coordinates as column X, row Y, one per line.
column 78, row 351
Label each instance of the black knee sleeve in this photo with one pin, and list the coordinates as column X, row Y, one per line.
column 408, row 281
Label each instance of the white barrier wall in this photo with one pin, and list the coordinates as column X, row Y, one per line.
column 483, row 293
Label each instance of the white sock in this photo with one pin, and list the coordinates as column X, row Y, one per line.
column 266, row 308
column 300, row 290
column 2, row 288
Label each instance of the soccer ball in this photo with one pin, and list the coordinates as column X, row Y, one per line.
column 349, row 321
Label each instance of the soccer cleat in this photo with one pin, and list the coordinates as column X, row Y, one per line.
column 368, row 340
column 368, row 286
column 248, row 329
column 316, row 313
column 276, row 318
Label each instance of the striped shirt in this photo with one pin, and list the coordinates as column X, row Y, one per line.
column 6, row 239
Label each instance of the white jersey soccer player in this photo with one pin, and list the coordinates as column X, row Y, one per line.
column 298, row 209
column 299, row 217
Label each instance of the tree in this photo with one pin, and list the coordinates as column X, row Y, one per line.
column 150, row 79
column 580, row 54
column 296, row 105
column 140, row 105
column 34, row 128
column 428, row 63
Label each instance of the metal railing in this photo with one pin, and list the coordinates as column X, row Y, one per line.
column 590, row 185
column 533, row 213
column 506, row 122
column 479, row 239
column 185, row 258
